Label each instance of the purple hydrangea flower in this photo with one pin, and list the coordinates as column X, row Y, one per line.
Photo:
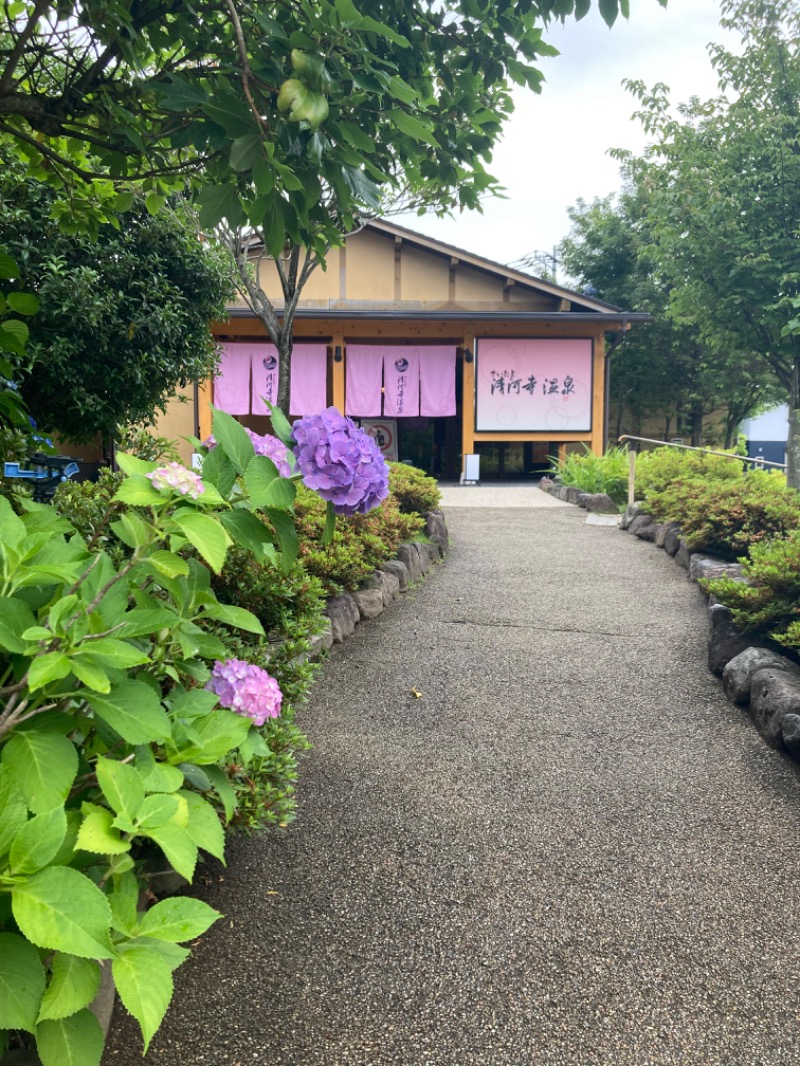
column 340, row 462
column 176, row 477
column 246, row 689
column 264, row 445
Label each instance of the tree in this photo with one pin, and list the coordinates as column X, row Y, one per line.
column 663, row 369
column 123, row 321
column 722, row 181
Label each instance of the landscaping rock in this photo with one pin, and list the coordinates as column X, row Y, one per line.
column 570, row 494
column 773, row 695
column 321, row 642
column 705, row 567
column 737, row 677
column 790, row 730
column 641, row 521
column 599, row 503
column 647, row 532
column 546, row 484
column 344, row 616
column 387, row 584
column 633, row 510
column 725, row 641
column 683, row 556
column 399, row 570
column 408, row 554
column 673, row 539
column 663, row 531
column 428, row 555
column 369, row 602
column 436, row 529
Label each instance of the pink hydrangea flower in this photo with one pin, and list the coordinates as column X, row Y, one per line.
column 176, row 477
column 340, row 462
column 246, row 689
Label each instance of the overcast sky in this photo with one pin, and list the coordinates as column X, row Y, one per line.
column 555, row 146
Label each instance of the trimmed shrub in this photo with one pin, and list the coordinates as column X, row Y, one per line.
column 414, row 491
column 360, row 542
column 727, row 517
column 660, row 468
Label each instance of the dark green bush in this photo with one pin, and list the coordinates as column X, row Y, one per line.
column 728, row 517
column 769, row 605
column 360, row 543
column 414, row 491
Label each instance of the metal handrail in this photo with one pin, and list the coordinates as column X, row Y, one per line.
column 686, row 448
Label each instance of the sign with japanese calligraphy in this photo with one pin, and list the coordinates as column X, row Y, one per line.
column 533, row 384
column 384, row 433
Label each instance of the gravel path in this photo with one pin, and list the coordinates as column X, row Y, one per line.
column 570, row 851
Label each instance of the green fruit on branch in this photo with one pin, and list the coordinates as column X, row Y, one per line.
column 302, row 103
column 310, row 68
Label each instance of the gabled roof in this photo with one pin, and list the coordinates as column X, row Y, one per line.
column 489, row 266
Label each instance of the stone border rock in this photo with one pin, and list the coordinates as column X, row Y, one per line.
column 755, row 677
column 596, row 502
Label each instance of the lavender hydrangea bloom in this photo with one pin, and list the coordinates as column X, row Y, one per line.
column 246, row 689
column 340, row 462
column 264, row 445
column 176, row 477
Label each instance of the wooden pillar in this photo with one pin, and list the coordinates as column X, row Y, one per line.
column 562, row 452
column 205, row 392
column 599, row 397
column 337, row 381
column 468, row 399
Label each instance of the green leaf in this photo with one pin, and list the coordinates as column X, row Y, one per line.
column 122, row 786
column 204, row 825
column 247, row 530
column 8, row 267
column 259, row 475
column 157, row 776
column 13, row 812
column 206, row 535
column 15, row 618
column 98, row 835
column 609, row 10
column 144, row 984
column 218, row 202
column 281, row 426
column 38, row 841
column 245, row 152
column 62, row 910
column 114, row 653
column 74, row 1041
column 156, row 811
column 224, row 789
column 24, row 303
column 132, row 530
column 43, row 765
column 219, row 470
column 280, row 495
column 234, row 616
column 123, row 202
column 232, row 437
column 139, row 492
column 330, row 524
column 91, row 674
column 178, row 919
column 143, row 621
column 413, row 127
column 133, row 710
column 217, row 734
column 73, row 985
column 178, row 846
column 51, row 666
column 131, row 464
column 288, row 540
column 22, row 982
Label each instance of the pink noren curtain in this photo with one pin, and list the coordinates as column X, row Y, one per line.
column 437, row 380
column 265, row 363
column 364, row 372
column 232, row 382
column 400, row 382
column 309, row 384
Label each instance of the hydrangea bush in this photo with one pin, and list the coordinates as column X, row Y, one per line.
column 119, row 706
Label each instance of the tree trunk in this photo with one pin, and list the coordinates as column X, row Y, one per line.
column 697, row 425
column 667, row 425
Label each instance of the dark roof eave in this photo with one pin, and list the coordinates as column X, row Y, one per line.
column 604, row 317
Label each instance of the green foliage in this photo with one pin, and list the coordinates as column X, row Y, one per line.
column 415, row 492
column 728, row 517
column 122, row 321
column 111, row 745
column 297, row 115
column 656, row 470
column 596, row 473
column 359, row 545
column 769, row 604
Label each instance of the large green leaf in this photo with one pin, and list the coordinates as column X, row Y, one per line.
column 288, row 540
column 13, row 812
column 144, row 984
column 98, row 835
column 217, row 734
column 62, row 910
column 234, row 616
column 133, row 710
column 247, row 530
column 73, row 985
column 139, row 492
column 232, row 437
column 206, row 534
column 22, row 982
column 38, row 841
column 43, row 766
column 15, row 618
column 178, row 919
column 178, row 846
column 204, row 826
column 122, row 785
column 74, row 1041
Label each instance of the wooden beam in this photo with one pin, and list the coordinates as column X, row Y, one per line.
column 451, row 293
column 398, row 268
